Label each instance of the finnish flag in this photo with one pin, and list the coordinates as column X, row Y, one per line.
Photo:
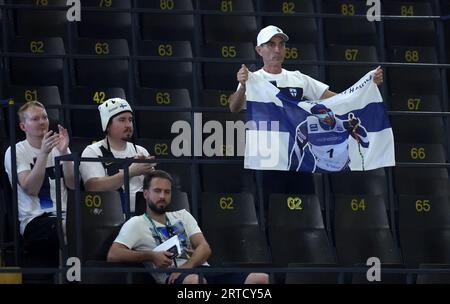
column 349, row 131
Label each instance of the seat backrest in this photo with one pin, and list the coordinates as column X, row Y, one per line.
column 408, row 32
column 165, row 26
column 91, row 95
column 360, row 212
column 226, row 178
column 299, row 29
column 296, row 230
column 424, row 227
column 230, row 225
column 41, row 23
column 295, row 212
column 100, row 218
column 228, row 28
column 413, row 102
column 160, row 148
column 367, row 182
column 99, row 71
column 362, row 230
column 413, row 54
column 227, row 209
column 410, row 129
column 37, row 71
column 357, row 31
column 429, row 181
column 158, row 124
column 216, row 98
column 104, row 23
column 163, row 97
column 420, row 153
column 424, row 212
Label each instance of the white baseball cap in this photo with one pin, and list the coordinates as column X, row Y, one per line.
column 268, row 32
column 111, row 108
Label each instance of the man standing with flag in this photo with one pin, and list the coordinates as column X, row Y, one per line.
column 271, row 46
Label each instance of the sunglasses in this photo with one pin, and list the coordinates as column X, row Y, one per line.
column 324, row 115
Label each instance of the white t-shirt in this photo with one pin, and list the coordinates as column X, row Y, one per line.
column 89, row 170
column 312, row 88
column 138, row 234
column 33, row 206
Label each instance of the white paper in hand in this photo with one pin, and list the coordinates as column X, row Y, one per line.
column 170, row 243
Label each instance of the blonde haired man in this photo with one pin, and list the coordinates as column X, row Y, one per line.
column 36, row 181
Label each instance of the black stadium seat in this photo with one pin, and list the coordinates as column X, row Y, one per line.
column 216, row 98
column 164, row 73
column 101, row 217
column 163, row 97
column 413, row 102
column 348, row 30
column 299, row 29
column 37, row 71
column 103, row 23
column 409, row 32
column 418, row 129
column 420, row 153
column 231, row 227
column 160, row 148
column 297, row 231
column 231, row 143
column 411, row 80
column 86, row 122
column 222, row 76
column 430, row 181
column 373, row 182
column 424, row 224
column 342, row 77
column 229, row 178
column 228, row 28
column 302, row 52
column 90, row 95
column 99, row 71
column 362, row 230
column 41, row 23
column 165, row 25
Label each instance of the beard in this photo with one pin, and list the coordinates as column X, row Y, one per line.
column 155, row 208
column 128, row 135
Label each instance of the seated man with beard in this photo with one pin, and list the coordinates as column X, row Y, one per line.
column 117, row 123
column 141, row 234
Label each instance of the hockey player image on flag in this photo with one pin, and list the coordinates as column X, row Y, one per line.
column 349, row 131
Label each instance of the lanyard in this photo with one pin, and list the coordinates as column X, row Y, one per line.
column 168, row 226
